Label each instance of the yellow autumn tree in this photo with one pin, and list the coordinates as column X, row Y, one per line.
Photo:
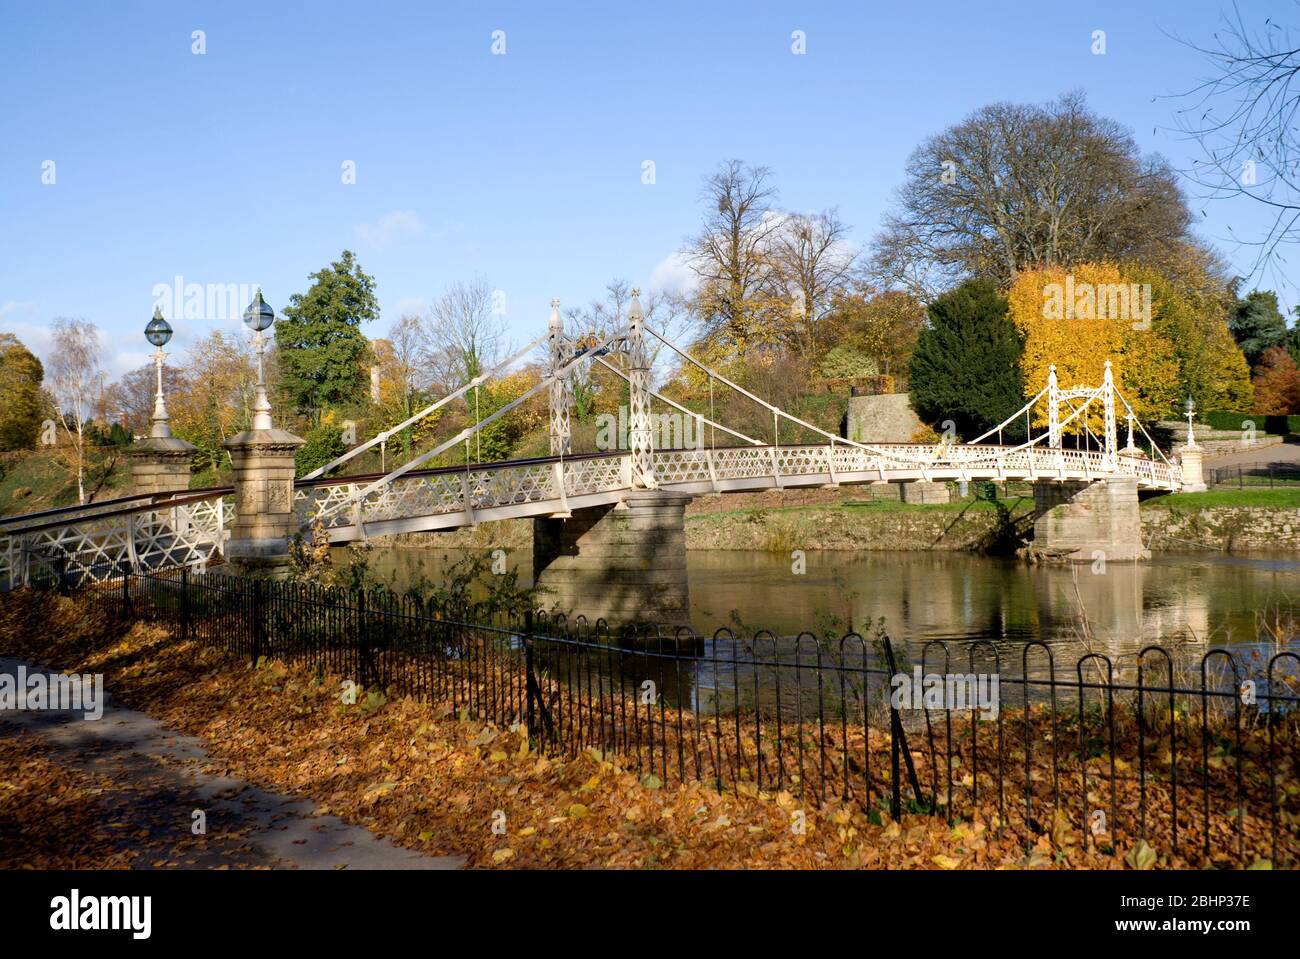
column 1078, row 319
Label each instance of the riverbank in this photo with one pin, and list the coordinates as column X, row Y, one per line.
column 433, row 778
column 864, row 518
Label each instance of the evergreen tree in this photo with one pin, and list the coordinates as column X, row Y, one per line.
column 322, row 352
column 966, row 366
column 1257, row 325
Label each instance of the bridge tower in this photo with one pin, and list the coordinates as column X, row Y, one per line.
column 1108, row 406
column 640, row 434
column 560, row 393
column 624, row 563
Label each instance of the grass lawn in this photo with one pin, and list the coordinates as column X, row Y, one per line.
column 1266, row 498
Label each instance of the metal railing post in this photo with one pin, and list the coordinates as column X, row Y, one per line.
column 125, row 568
column 530, row 682
column 185, row 603
column 259, row 621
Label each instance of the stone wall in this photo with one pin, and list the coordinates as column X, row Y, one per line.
column 1230, row 528
column 758, row 521
column 887, row 418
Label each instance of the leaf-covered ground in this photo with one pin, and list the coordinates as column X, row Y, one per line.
column 450, row 785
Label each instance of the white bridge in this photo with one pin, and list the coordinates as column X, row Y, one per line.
column 187, row 529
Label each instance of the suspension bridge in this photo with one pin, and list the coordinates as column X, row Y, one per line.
column 610, row 519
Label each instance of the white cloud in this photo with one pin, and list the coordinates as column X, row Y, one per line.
column 673, row 274
column 391, row 228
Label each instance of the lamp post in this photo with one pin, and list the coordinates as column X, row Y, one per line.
column 258, row 318
column 159, row 332
column 1190, row 406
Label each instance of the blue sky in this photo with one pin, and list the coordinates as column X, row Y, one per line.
column 226, row 167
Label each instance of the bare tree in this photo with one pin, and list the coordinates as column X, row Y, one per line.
column 399, row 359
column 73, row 379
column 463, row 335
column 730, row 253
column 1014, row 186
column 1243, row 119
column 813, row 260
column 668, row 314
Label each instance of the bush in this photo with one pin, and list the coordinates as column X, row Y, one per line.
column 324, row 443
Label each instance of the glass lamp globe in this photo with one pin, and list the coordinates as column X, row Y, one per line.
column 159, row 331
column 259, row 316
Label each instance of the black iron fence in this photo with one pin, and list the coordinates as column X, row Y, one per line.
column 1254, row 477
column 1198, row 757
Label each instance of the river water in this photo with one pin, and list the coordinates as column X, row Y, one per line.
column 1200, row 599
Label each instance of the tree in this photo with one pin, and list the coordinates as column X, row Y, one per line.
column 322, row 352
column 1277, row 384
column 966, row 365
column 666, row 313
column 74, row 378
column 131, row 399
column 1078, row 337
column 883, row 325
column 401, row 377
column 21, row 374
column 464, row 335
column 1193, row 320
column 1257, row 325
column 731, row 254
column 811, row 262
column 1242, row 118
column 1019, row 186
column 220, row 380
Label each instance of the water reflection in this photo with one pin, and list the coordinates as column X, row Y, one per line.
column 1196, row 601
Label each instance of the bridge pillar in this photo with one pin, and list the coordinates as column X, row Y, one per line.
column 160, row 464
column 924, row 491
column 265, row 520
column 624, row 563
column 1082, row 522
column 1193, row 472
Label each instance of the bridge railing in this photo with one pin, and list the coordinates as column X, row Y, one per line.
column 185, row 532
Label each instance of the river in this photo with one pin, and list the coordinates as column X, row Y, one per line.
column 1201, row 599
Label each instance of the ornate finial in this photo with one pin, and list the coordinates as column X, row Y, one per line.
column 636, row 291
column 555, row 304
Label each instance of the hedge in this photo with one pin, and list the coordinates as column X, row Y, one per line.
column 1271, row 425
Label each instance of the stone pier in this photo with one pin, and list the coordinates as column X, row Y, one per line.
column 1082, row 522
column 1189, row 458
column 924, row 492
column 624, row 563
column 265, row 521
column 160, row 464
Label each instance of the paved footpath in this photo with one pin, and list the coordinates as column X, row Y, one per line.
column 154, row 778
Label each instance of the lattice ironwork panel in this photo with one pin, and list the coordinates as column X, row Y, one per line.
column 595, row 475
column 682, row 466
